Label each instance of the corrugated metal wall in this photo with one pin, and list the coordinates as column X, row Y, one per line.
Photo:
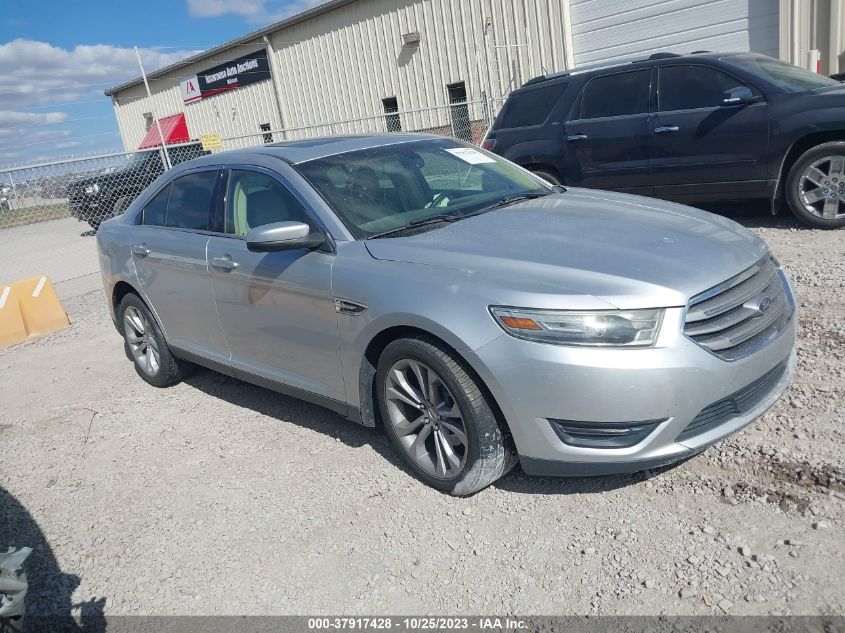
column 604, row 30
column 344, row 63
column 230, row 113
column 340, row 65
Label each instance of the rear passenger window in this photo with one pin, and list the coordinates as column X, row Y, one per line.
column 531, row 107
column 689, row 87
column 616, row 95
column 156, row 209
column 189, row 206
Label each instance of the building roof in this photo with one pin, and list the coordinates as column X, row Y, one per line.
column 249, row 38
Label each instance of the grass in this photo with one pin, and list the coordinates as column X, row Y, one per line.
column 32, row 215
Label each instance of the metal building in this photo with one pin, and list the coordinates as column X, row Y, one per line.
column 359, row 65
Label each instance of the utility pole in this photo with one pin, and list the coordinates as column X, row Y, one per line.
column 155, row 117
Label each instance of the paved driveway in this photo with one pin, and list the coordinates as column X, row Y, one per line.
column 64, row 250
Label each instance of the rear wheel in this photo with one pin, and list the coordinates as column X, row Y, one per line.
column 121, row 205
column 438, row 419
column 815, row 187
column 146, row 347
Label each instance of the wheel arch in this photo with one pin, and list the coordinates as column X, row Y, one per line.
column 546, row 167
column 801, row 145
column 370, row 415
column 119, row 291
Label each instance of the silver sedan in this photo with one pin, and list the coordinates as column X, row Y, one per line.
column 482, row 316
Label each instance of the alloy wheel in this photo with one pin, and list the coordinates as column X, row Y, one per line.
column 141, row 340
column 426, row 418
column 821, row 188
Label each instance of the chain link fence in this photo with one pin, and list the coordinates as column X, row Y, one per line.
column 42, row 204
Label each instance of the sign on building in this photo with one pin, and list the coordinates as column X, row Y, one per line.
column 237, row 73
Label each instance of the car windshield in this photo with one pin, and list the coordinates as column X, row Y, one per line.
column 139, row 159
column 389, row 188
column 786, row 76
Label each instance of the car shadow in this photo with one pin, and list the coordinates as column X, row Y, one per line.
column 321, row 420
column 48, row 602
column 88, row 233
column 289, row 409
column 755, row 214
column 517, row 481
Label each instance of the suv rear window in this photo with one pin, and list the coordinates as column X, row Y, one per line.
column 615, row 95
column 531, row 107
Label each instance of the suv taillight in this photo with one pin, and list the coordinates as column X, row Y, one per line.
column 488, row 144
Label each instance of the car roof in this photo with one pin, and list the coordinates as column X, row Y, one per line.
column 647, row 62
column 300, row 151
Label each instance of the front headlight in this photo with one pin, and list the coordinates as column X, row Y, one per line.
column 92, row 189
column 613, row 328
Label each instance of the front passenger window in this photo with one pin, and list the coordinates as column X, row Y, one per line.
column 254, row 199
column 690, row 87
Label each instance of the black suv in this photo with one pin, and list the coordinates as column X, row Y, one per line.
column 95, row 198
column 698, row 127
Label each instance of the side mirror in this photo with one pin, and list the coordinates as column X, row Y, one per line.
column 738, row 96
column 280, row 236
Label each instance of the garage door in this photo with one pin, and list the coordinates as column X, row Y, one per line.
column 606, row 30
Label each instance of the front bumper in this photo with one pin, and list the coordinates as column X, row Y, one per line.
column 674, row 382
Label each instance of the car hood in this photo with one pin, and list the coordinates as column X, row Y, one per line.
column 628, row 251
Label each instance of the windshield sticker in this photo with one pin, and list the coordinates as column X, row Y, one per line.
column 471, row 156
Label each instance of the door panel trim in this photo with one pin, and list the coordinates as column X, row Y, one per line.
column 349, row 412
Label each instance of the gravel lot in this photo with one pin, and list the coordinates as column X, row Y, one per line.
column 217, row 497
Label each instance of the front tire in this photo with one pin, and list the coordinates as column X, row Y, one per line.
column 815, row 187
column 438, row 418
column 145, row 345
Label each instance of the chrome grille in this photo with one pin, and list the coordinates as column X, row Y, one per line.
column 742, row 314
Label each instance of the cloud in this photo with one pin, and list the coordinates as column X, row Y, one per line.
column 41, row 85
column 256, row 11
column 12, row 119
column 37, row 73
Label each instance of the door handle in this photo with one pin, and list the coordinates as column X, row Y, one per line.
column 141, row 250
column 666, row 129
column 576, row 137
column 224, row 263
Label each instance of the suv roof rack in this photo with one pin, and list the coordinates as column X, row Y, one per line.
column 542, row 78
column 663, row 55
column 602, row 65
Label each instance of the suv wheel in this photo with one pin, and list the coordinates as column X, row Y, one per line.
column 815, row 187
column 438, row 420
column 549, row 178
column 145, row 345
column 120, row 205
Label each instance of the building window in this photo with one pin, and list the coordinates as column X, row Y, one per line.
column 459, row 111
column 391, row 112
column 268, row 136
